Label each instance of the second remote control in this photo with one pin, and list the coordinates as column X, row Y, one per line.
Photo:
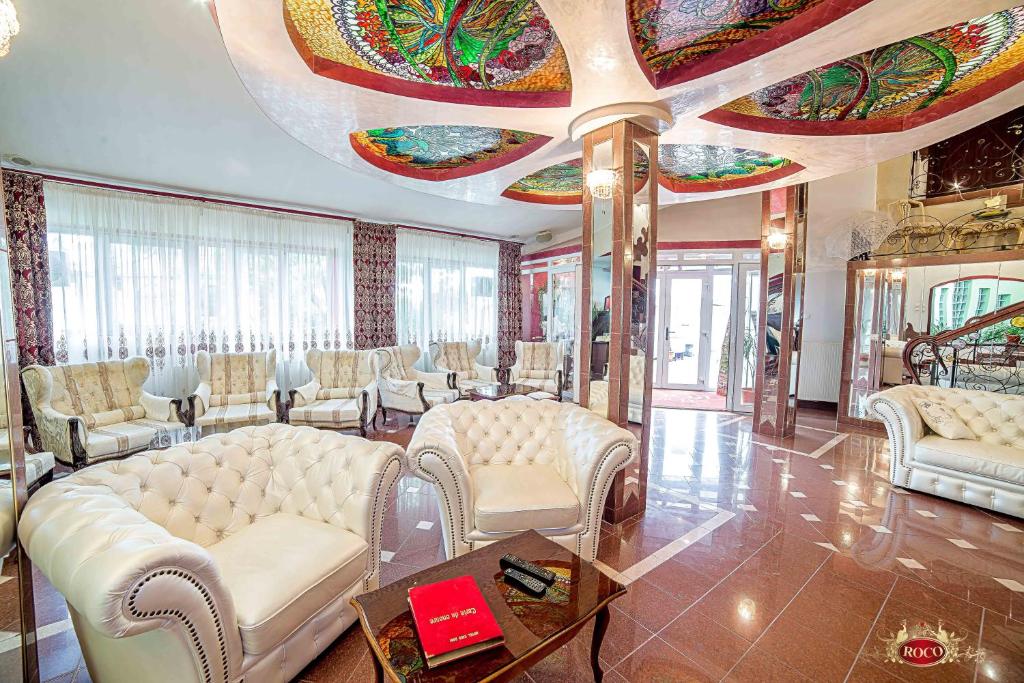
column 524, row 582
column 510, row 561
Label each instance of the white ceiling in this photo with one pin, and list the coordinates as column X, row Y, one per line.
column 145, row 92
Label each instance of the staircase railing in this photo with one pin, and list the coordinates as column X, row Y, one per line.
column 973, row 356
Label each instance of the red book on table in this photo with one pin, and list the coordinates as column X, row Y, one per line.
column 453, row 620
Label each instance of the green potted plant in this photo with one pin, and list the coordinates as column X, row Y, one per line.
column 1013, row 333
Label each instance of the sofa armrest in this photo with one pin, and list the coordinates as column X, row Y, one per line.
column 433, row 455
column 904, row 426
column 126, row 575
column 160, row 407
column 304, row 395
column 200, row 399
column 433, row 380
column 367, row 402
column 486, row 372
column 63, row 435
column 403, row 394
column 273, row 396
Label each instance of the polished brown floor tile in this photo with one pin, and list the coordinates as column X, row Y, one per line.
column 759, row 667
column 712, row 647
column 658, row 662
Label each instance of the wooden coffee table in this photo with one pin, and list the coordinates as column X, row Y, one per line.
column 496, row 392
column 533, row 627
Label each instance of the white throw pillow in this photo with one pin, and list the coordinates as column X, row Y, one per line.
column 942, row 420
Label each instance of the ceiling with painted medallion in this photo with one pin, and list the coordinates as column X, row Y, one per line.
column 439, row 112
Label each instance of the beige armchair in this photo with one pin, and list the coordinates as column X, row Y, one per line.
column 502, row 467
column 539, row 365
column 235, row 389
column 226, row 559
column 635, row 405
column 460, row 359
column 91, row 412
column 341, row 395
column 403, row 388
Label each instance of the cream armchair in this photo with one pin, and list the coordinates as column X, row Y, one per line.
column 97, row 411
column 226, row 559
column 403, row 388
column 984, row 466
column 235, row 389
column 460, row 359
column 635, row 405
column 341, row 395
column 539, row 365
column 501, row 467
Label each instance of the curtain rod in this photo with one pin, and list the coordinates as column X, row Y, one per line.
column 241, row 204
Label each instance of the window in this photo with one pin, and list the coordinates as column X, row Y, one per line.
column 954, row 302
column 1003, row 300
column 983, row 298
column 133, row 274
column 961, row 293
column 446, row 289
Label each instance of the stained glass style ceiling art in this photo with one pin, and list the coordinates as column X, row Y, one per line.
column 443, row 152
column 557, row 184
column 679, row 40
column 894, row 87
column 487, row 52
column 709, row 168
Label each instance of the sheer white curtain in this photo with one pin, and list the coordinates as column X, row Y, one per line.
column 446, row 289
column 134, row 274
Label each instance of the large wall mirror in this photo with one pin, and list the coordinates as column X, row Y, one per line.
column 892, row 303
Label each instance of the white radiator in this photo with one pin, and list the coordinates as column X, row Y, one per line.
column 821, row 364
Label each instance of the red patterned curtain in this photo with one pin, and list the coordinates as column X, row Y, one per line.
column 373, row 260
column 30, row 267
column 510, row 301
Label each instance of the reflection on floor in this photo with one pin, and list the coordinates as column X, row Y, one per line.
column 692, row 400
column 757, row 560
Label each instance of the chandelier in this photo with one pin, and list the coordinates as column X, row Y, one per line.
column 8, row 25
column 601, row 182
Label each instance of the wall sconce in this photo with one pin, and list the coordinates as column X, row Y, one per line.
column 896, row 275
column 601, row 182
column 777, row 240
column 9, row 26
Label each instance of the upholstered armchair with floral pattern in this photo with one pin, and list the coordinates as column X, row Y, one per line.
column 235, row 390
column 460, row 359
column 341, row 395
column 539, row 365
column 403, row 388
column 91, row 412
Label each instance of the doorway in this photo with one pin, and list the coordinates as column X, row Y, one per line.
column 706, row 323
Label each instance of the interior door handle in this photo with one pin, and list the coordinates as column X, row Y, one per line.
column 666, row 334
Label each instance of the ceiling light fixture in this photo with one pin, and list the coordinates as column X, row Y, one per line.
column 777, row 240
column 9, row 26
column 601, row 182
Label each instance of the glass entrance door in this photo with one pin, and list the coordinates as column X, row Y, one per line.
column 744, row 346
column 684, row 331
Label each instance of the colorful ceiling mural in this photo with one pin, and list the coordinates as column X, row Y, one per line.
column 558, row 184
column 708, row 168
column 679, row 40
column 443, row 152
column 486, row 52
column 892, row 88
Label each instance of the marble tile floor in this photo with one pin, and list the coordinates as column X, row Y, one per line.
column 732, row 576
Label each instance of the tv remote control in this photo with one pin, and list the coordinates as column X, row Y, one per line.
column 524, row 582
column 545, row 576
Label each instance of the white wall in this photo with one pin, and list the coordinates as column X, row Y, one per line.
column 732, row 218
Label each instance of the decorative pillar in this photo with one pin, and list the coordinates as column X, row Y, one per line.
column 620, row 199
column 783, row 246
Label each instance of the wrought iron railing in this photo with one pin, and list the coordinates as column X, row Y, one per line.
column 982, row 354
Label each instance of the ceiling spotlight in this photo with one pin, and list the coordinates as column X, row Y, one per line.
column 601, row 182
column 9, row 26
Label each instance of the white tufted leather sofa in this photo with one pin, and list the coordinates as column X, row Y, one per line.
column 91, row 412
column 539, row 365
column 501, row 467
column 403, row 388
column 341, row 395
column 987, row 471
column 460, row 359
column 231, row 558
column 235, row 389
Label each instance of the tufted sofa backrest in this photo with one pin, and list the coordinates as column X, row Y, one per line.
column 340, row 374
column 457, row 357
column 236, row 378
column 207, row 490
column 516, row 431
column 994, row 418
column 538, row 360
column 100, row 393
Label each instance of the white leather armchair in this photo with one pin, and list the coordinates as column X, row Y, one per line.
column 987, row 470
column 227, row 559
column 235, row 389
column 502, row 467
column 92, row 412
column 460, row 359
column 635, row 405
column 539, row 365
column 403, row 388
column 341, row 395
